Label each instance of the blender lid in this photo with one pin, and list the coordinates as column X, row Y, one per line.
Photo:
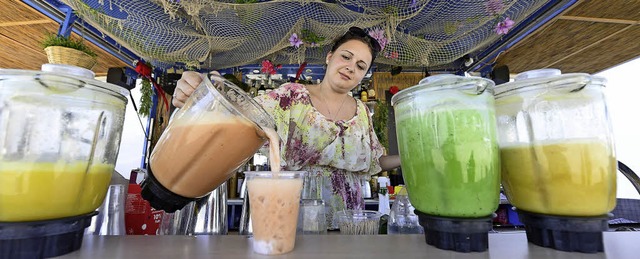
column 68, row 70
column 69, row 74
column 471, row 84
column 547, row 78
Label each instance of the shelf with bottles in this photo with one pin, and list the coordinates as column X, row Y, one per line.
column 260, row 84
column 365, row 92
column 259, row 162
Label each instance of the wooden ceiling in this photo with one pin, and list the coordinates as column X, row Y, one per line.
column 590, row 37
column 22, row 28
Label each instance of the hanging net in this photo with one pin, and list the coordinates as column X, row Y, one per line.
column 222, row 34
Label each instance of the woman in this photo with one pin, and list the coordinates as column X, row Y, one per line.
column 323, row 130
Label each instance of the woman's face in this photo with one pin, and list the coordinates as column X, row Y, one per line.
column 347, row 65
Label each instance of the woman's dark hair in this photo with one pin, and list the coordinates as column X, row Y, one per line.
column 355, row 33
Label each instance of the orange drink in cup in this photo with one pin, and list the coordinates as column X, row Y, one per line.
column 274, row 198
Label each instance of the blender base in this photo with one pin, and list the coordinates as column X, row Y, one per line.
column 456, row 234
column 161, row 198
column 571, row 234
column 46, row 238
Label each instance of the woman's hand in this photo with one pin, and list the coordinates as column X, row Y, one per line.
column 389, row 162
column 186, row 86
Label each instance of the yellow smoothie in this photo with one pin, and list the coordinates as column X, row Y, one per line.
column 41, row 191
column 569, row 178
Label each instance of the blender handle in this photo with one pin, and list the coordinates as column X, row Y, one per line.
column 173, row 113
column 633, row 177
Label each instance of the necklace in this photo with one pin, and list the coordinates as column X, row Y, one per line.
column 332, row 117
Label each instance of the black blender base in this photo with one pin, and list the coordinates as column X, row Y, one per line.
column 161, row 198
column 570, row 234
column 457, row 234
column 42, row 239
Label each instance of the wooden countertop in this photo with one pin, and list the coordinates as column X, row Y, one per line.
column 618, row 245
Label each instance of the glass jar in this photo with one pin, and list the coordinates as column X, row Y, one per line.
column 218, row 129
column 556, row 144
column 60, row 133
column 447, row 143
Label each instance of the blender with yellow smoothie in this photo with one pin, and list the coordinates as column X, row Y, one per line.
column 557, row 156
column 60, row 133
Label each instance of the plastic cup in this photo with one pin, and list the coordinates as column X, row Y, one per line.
column 275, row 203
column 312, row 219
column 358, row 222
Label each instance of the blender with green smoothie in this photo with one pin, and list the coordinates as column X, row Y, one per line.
column 446, row 132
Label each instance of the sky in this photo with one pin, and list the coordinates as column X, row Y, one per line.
column 623, row 102
column 131, row 146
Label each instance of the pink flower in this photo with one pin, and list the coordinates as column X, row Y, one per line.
column 269, row 68
column 295, row 41
column 378, row 34
column 503, row 27
column 383, row 42
column 391, row 55
column 494, row 7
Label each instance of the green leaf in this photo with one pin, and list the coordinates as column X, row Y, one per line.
column 450, row 28
column 52, row 39
column 311, row 37
column 145, row 99
column 380, row 116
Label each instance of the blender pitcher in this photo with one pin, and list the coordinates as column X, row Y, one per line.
column 557, row 153
column 60, row 132
column 219, row 128
column 450, row 158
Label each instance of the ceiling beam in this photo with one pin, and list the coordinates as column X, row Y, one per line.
column 587, row 47
column 594, row 19
column 53, row 10
column 20, row 43
column 539, row 20
column 9, row 24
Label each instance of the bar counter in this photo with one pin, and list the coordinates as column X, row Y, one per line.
column 511, row 245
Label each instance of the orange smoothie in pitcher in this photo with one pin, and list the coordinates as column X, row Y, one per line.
column 199, row 155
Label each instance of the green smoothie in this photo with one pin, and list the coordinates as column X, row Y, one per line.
column 450, row 158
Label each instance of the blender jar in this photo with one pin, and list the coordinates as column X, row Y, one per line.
column 59, row 139
column 450, row 158
column 219, row 128
column 556, row 144
column 60, row 134
column 557, row 153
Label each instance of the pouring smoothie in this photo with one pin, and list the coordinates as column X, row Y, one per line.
column 207, row 140
column 189, row 161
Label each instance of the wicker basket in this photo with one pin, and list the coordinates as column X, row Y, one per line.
column 69, row 56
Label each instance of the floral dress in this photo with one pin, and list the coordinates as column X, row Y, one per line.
column 338, row 156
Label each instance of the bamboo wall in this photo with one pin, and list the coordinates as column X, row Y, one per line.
column 590, row 37
column 382, row 81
